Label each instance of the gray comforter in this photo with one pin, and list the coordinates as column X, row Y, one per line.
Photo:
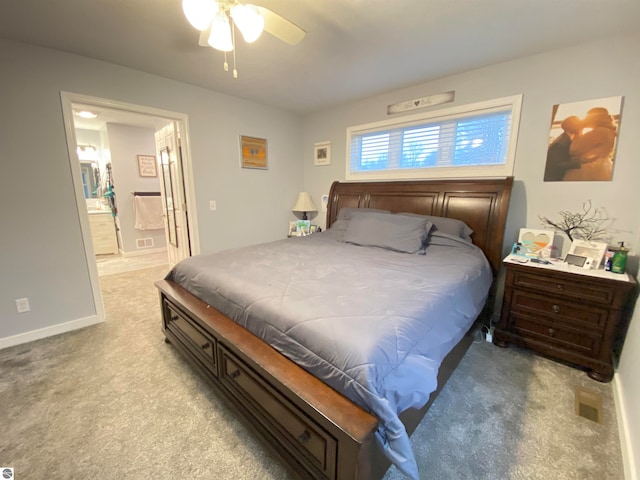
column 371, row 323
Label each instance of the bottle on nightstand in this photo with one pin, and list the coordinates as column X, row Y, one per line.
column 619, row 259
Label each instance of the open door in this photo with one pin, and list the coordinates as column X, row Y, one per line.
column 173, row 193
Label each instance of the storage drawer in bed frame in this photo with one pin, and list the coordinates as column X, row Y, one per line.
column 306, row 440
column 193, row 337
column 299, row 433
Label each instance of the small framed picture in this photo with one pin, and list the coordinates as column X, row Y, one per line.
column 293, row 229
column 253, row 152
column 322, row 153
column 147, row 166
column 593, row 252
column 303, row 227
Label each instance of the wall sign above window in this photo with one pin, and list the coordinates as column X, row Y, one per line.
column 423, row 102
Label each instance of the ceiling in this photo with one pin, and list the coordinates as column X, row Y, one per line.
column 353, row 48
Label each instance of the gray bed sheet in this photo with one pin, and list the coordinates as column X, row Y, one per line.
column 371, row 323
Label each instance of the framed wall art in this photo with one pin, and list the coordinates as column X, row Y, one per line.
column 582, row 140
column 253, row 152
column 147, row 166
column 322, row 153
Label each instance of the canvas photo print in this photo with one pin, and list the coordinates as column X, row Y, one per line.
column 582, row 140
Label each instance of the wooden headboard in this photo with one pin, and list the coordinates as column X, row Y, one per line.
column 481, row 204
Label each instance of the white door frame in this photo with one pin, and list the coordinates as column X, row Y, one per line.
column 67, row 99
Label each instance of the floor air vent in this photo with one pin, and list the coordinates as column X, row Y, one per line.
column 588, row 404
column 144, row 242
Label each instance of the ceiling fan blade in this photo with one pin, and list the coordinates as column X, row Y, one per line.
column 280, row 27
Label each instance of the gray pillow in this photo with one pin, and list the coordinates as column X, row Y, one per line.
column 399, row 233
column 345, row 213
column 450, row 226
column 339, row 226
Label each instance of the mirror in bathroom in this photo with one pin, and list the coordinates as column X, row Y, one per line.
column 90, row 179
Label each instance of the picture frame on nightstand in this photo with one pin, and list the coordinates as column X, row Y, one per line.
column 535, row 242
column 593, row 252
column 303, row 227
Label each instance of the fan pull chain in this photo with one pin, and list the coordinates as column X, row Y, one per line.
column 233, row 39
column 226, row 65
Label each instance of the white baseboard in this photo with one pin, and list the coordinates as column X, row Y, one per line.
column 48, row 331
column 145, row 251
column 625, row 441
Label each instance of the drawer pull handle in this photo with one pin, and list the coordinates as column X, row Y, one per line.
column 235, row 374
column 555, row 308
column 552, row 332
column 559, row 287
column 173, row 318
column 304, row 436
column 205, row 345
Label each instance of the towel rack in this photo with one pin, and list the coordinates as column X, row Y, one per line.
column 145, row 194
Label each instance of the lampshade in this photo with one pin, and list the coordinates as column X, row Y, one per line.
column 200, row 12
column 304, row 204
column 249, row 21
column 220, row 37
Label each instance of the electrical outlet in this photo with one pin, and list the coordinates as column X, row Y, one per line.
column 325, row 202
column 22, row 304
column 489, row 336
column 212, row 205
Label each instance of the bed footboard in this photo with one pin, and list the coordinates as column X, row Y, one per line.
column 315, row 431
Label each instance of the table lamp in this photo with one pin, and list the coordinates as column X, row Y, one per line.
column 304, row 204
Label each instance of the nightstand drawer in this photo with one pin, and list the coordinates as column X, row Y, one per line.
column 552, row 334
column 595, row 292
column 559, row 310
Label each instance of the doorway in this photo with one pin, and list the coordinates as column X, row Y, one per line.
column 142, row 118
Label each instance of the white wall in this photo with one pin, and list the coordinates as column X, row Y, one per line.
column 42, row 255
column 125, row 144
column 603, row 69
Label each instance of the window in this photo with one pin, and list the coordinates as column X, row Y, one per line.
column 476, row 140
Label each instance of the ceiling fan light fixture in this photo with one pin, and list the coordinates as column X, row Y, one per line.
column 220, row 37
column 248, row 20
column 200, row 13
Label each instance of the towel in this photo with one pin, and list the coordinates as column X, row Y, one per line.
column 148, row 213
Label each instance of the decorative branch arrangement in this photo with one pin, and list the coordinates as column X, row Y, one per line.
column 587, row 225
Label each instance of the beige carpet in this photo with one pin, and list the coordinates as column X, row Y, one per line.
column 114, row 401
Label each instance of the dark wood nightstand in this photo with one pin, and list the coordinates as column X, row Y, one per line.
column 567, row 313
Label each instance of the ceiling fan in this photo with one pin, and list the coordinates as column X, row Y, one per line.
column 217, row 21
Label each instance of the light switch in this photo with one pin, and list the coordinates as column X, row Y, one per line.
column 212, row 205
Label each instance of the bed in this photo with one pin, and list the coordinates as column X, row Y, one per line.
column 275, row 356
